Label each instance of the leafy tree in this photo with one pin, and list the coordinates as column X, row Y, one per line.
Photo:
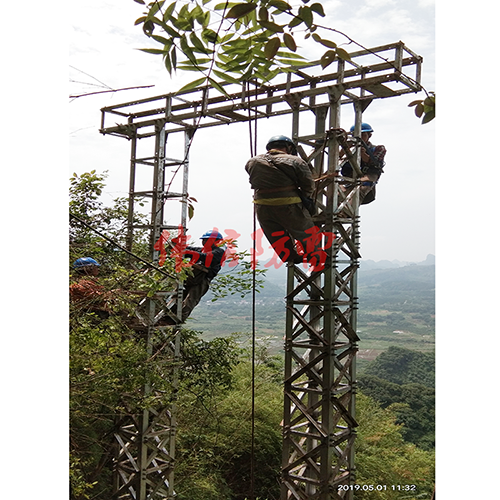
column 214, row 440
column 87, row 209
column 403, row 366
column 245, row 44
column 254, row 40
column 384, row 458
column 214, row 454
column 413, row 405
column 109, row 360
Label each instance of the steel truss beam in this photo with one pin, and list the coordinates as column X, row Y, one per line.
column 321, row 317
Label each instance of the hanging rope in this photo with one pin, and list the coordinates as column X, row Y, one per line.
column 253, row 152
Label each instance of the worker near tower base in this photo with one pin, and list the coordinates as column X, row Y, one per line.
column 283, row 185
column 372, row 163
column 206, row 263
column 86, row 293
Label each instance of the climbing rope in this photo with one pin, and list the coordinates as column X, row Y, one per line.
column 253, row 152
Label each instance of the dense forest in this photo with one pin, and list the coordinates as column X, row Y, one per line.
column 110, row 363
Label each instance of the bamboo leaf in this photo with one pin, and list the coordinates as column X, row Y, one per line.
column 168, row 64
column 171, row 31
column 240, row 10
column 153, row 51
column 193, row 85
column 169, row 12
column 318, row 8
column 155, row 8
column 280, row 5
column 218, row 86
column 268, row 25
column 173, row 56
column 209, row 35
column 327, row 58
column 197, row 43
column 206, row 20
column 161, row 39
column 272, row 47
column 343, row 54
column 290, row 42
column 225, row 77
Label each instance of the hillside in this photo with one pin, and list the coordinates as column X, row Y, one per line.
column 405, row 381
column 396, row 308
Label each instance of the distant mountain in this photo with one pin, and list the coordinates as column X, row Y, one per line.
column 392, row 264
column 278, row 276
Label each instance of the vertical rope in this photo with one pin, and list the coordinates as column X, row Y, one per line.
column 253, row 149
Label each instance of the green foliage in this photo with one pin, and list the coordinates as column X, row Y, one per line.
column 235, row 41
column 402, row 366
column 425, row 107
column 383, row 458
column 85, row 203
column 413, row 405
column 214, row 440
column 239, row 280
column 404, row 381
column 213, row 457
column 122, row 270
column 110, row 365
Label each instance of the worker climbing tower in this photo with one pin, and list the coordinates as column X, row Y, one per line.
column 319, row 421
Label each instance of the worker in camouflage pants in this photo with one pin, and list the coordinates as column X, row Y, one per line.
column 279, row 179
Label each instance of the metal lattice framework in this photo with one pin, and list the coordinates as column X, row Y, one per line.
column 321, row 341
column 145, row 443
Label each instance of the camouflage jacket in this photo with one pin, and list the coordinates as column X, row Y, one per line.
column 276, row 187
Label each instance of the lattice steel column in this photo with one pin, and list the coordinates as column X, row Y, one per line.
column 145, row 443
column 321, row 340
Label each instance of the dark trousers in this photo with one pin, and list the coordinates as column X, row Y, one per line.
column 282, row 224
column 192, row 295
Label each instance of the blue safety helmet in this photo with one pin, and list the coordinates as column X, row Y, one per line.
column 85, row 262
column 279, row 141
column 365, row 127
column 212, row 234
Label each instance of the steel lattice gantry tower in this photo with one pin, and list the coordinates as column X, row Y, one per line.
column 145, row 442
column 321, row 342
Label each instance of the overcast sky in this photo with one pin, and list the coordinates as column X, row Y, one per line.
column 103, row 53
